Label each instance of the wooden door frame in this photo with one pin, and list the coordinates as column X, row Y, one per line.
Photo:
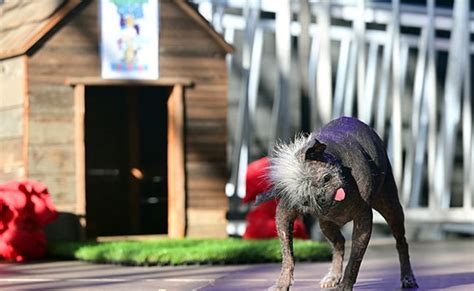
column 176, row 154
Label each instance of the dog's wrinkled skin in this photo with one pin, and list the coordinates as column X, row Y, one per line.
column 337, row 174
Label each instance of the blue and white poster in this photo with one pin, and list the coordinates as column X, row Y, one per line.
column 129, row 39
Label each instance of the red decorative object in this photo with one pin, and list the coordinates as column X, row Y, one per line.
column 25, row 208
column 261, row 220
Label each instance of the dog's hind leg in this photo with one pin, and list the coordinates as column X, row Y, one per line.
column 388, row 204
column 284, row 220
column 333, row 234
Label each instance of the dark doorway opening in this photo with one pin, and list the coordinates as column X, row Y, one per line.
column 126, row 160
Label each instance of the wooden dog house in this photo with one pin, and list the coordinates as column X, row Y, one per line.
column 129, row 157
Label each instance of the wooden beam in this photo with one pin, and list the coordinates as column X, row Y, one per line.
column 52, row 21
column 176, row 166
column 26, row 118
column 97, row 81
column 80, row 151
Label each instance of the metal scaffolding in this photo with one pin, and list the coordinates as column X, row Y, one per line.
column 375, row 61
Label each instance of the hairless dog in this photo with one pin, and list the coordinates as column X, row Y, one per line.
column 337, row 174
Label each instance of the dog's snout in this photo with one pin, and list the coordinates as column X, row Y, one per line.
column 306, row 202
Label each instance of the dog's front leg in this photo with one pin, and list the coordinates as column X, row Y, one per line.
column 284, row 221
column 333, row 234
column 360, row 239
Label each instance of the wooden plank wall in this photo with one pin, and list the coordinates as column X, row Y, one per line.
column 186, row 51
column 12, row 117
column 69, row 52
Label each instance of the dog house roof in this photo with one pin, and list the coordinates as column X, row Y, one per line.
column 23, row 23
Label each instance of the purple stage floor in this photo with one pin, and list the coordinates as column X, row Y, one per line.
column 446, row 265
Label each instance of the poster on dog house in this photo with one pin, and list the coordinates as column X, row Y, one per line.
column 129, row 39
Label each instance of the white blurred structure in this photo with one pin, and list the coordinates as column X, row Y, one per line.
column 375, row 61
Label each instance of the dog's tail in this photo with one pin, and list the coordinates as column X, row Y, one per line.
column 264, row 197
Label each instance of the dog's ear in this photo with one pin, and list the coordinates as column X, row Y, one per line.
column 315, row 152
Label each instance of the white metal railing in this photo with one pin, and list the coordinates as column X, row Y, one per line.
column 427, row 121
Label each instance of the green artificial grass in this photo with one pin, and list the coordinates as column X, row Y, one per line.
column 186, row 251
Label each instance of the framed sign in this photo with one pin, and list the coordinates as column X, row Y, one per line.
column 129, row 39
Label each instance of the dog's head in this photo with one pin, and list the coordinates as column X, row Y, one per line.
column 305, row 177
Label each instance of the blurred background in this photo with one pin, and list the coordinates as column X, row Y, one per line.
column 404, row 67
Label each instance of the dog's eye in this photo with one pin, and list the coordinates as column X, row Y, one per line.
column 327, row 178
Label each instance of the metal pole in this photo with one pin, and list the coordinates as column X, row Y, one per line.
column 395, row 137
column 217, row 15
column 396, row 95
column 324, row 71
column 452, row 106
column 236, row 184
column 304, row 18
column 410, row 168
column 350, row 85
column 254, row 75
column 341, row 77
column 430, row 108
column 312, row 77
column 359, row 28
column 370, row 82
column 467, row 120
column 280, row 120
column 384, row 83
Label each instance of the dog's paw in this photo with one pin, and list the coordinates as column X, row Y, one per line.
column 344, row 287
column 330, row 280
column 279, row 288
column 284, row 281
column 409, row 282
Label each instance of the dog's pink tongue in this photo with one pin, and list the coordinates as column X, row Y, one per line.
column 340, row 195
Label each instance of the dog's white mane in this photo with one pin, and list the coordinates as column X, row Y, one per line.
column 289, row 173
